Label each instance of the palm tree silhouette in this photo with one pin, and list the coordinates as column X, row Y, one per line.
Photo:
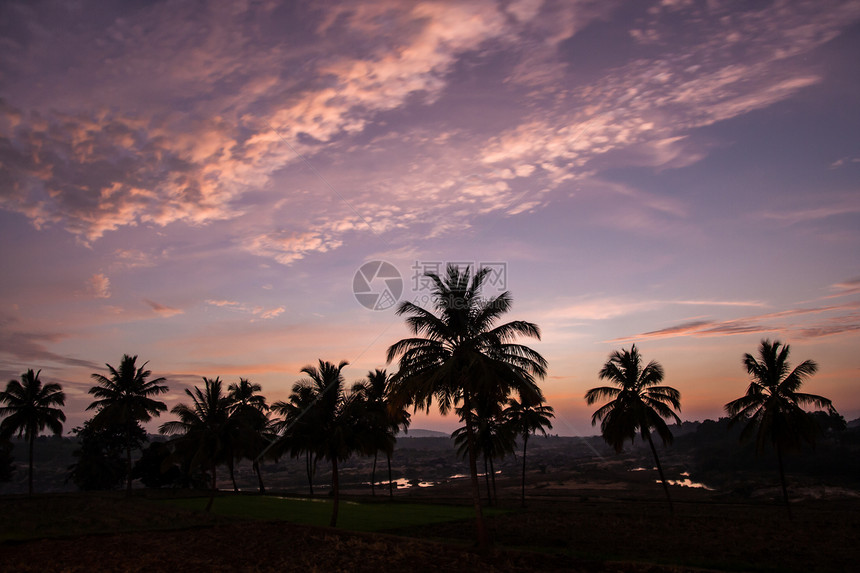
column 459, row 355
column 250, row 423
column 248, row 409
column 772, row 406
column 636, row 405
column 203, row 428
column 297, row 429
column 527, row 418
column 332, row 419
column 493, row 436
column 30, row 408
column 380, row 421
column 125, row 397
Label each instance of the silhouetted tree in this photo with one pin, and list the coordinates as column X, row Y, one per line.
column 298, row 428
column 772, row 408
column 157, row 467
column 101, row 462
column 126, row 397
column 526, row 418
column 493, row 438
column 203, row 429
column 830, row 423
column 30, row 408
column 334, row 420
column 380, row 421
column 638, row 404
column 459, row 354
column 249, row 423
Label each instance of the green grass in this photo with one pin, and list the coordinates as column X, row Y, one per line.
column 351, row 515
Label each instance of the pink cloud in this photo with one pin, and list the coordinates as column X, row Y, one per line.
column 165, row 311
column 99, row 286
column 844, row 319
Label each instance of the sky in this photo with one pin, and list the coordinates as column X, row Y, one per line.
column 209, row 185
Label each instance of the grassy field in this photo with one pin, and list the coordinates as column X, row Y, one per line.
column 354, row 516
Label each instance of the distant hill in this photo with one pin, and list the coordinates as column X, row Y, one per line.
column 419, row 433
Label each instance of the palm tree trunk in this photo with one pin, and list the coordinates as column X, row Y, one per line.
column 782, row 480
column 493, row 479
column 230, row 466
column 309, row 470
column 373, row 475
column 660, row 470
column 390, row 483
column 128, row 460
column 487, row 481
column 335, row 486
column 523, row 487
column 32, row 440
column 480, row 526
column 214, row 489
column 256, row 466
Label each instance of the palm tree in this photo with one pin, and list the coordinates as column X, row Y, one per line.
column 636, row 405
column 493, row 437
column 30, row 408
column 459, row 354
column 126, row 398
column 528, row 418
column 298, row 428
column 333, row 417
column 248, row 412
column 203, row 428
column 772, row 406
column 380, row 421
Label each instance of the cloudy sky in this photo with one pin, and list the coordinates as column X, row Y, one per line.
column 198, row 183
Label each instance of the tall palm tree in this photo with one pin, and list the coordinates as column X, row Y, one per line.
column 126, row 397
column 250, row 408
column 772, row 408
column 380, row 421
column 248, row 412
column 459, row 354
column 298, row 428
column 638, row 404
column 527, row 418
column 30, row 408
column 494, row 438
column 334, row 420
column 203, row 428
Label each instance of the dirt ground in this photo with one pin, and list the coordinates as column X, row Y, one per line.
column 278, row 546
column 595, row 531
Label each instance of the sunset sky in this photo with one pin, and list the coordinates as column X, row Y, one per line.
column 198, row 183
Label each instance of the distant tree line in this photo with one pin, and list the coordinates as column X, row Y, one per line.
column 460, row 358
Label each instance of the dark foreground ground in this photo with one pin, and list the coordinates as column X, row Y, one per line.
column 567, row 526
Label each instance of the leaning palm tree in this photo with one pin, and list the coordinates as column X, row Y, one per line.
column 772, row 408
column 459, row 354
column 126, row 398
column 203, row 429
column 30, row 408
column 638, row 404
column 527, row 418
